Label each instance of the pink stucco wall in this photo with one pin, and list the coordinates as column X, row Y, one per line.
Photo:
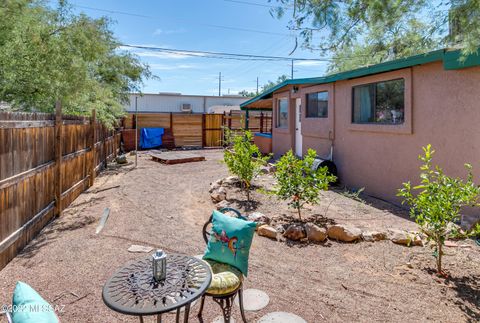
column 441, row 108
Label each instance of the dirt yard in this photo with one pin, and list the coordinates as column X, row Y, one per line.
column 165, row 207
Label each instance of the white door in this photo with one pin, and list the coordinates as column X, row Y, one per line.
column 298, row 127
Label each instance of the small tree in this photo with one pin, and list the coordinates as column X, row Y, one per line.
column 298, row 182
column 243, row 158
column 438, row 200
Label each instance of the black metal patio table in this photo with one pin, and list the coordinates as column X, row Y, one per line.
column 132, row 290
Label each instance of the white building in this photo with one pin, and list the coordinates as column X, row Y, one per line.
column 176, row 102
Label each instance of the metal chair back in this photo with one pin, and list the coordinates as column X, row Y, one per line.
column 207, row 233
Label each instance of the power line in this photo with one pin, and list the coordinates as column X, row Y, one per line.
column 256, row 4
column 224, row 55
column 201, row 24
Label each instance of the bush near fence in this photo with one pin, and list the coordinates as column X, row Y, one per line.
column 46, row 161
column 194, row 130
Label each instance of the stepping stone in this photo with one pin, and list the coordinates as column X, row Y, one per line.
column 219, row 319
column 137, row 248
column 199, row 256
column 281, row 317
column 254, row 299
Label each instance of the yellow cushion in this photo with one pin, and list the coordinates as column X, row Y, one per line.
column 225, row 278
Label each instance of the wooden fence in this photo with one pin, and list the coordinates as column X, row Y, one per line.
column 196, row 130
column 46, row 161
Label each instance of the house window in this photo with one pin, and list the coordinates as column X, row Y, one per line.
column 382, row 102
column 282, row 115
column 317, row 105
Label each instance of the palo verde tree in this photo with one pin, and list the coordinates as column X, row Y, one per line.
column 298, row 182
column 243, row 158
column 436, row 202
column 49, row 54
column 358, row 33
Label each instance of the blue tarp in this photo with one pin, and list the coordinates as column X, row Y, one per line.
column 151, row 137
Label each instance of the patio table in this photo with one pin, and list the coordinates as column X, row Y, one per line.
column 132, row 290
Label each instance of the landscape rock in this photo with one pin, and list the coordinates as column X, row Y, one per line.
column 122, row 159
column 280, row 229
column 230, row 180
column 265, row 170
column 401, row 237
column 222, row 204
column 315, row 233
column 295, row 232
column 272, row 168
column 372, row 236
column 259, row 218
column 219, row 195
column 267, row 231
column 215, row 185
column 344, row 233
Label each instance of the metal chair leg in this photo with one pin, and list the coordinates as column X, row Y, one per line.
column 226, row 304
column 240, row 302
column 202, row 302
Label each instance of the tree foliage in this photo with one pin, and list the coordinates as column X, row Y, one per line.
column 51, row 54
column 436, row 202
column 365, row 32
column 298, row 182
column 243, row 159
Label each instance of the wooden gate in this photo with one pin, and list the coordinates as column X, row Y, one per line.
column 213, row 130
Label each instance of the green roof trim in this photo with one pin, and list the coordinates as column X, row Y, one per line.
column 450, row 61
column 453, row 60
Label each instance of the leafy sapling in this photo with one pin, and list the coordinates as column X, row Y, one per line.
column 436, row 202
column 243, row 158
column 298, row 182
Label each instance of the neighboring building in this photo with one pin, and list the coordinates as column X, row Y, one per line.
column 378, row 118
column 176, row 102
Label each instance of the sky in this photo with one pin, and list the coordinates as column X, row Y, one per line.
column 233, row 26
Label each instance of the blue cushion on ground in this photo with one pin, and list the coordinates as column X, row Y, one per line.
column 30, row 307
column 230, row 241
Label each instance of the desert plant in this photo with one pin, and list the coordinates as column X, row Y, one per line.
column 243, row 158
column 298, row 182
column 436, row 202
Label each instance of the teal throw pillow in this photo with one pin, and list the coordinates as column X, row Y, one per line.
column 230, row 241
column 30, row 307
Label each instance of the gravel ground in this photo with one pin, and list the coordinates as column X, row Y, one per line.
column 165, row 207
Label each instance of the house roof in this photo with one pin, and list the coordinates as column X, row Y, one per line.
column 451, row 61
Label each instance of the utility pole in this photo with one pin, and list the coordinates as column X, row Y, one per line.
column 219, row 83
column 292, row 69
column 136, row 131
column 257, row 85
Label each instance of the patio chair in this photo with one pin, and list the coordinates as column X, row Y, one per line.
column 227, row 281
column 7, row 315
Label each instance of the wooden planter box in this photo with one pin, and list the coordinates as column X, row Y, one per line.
column 264, row 142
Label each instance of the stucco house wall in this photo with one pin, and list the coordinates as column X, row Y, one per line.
column 442, row 107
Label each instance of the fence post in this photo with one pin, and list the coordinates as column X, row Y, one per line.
column 261, row 122
column 58, row 145
column 105, row 153
column 93, row 140
column 204, row 135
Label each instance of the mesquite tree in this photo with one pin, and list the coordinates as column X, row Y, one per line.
column 436, row 202
column 243, row 158
column 298, row 182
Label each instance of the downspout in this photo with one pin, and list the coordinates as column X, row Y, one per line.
column 332, row 137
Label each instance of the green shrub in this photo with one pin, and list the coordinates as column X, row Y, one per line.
column 436, row 202
column 243, row 158
column 298, row 182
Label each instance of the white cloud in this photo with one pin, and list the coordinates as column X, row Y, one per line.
column 169, row 67
column 160, row 31
column 308, row 63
